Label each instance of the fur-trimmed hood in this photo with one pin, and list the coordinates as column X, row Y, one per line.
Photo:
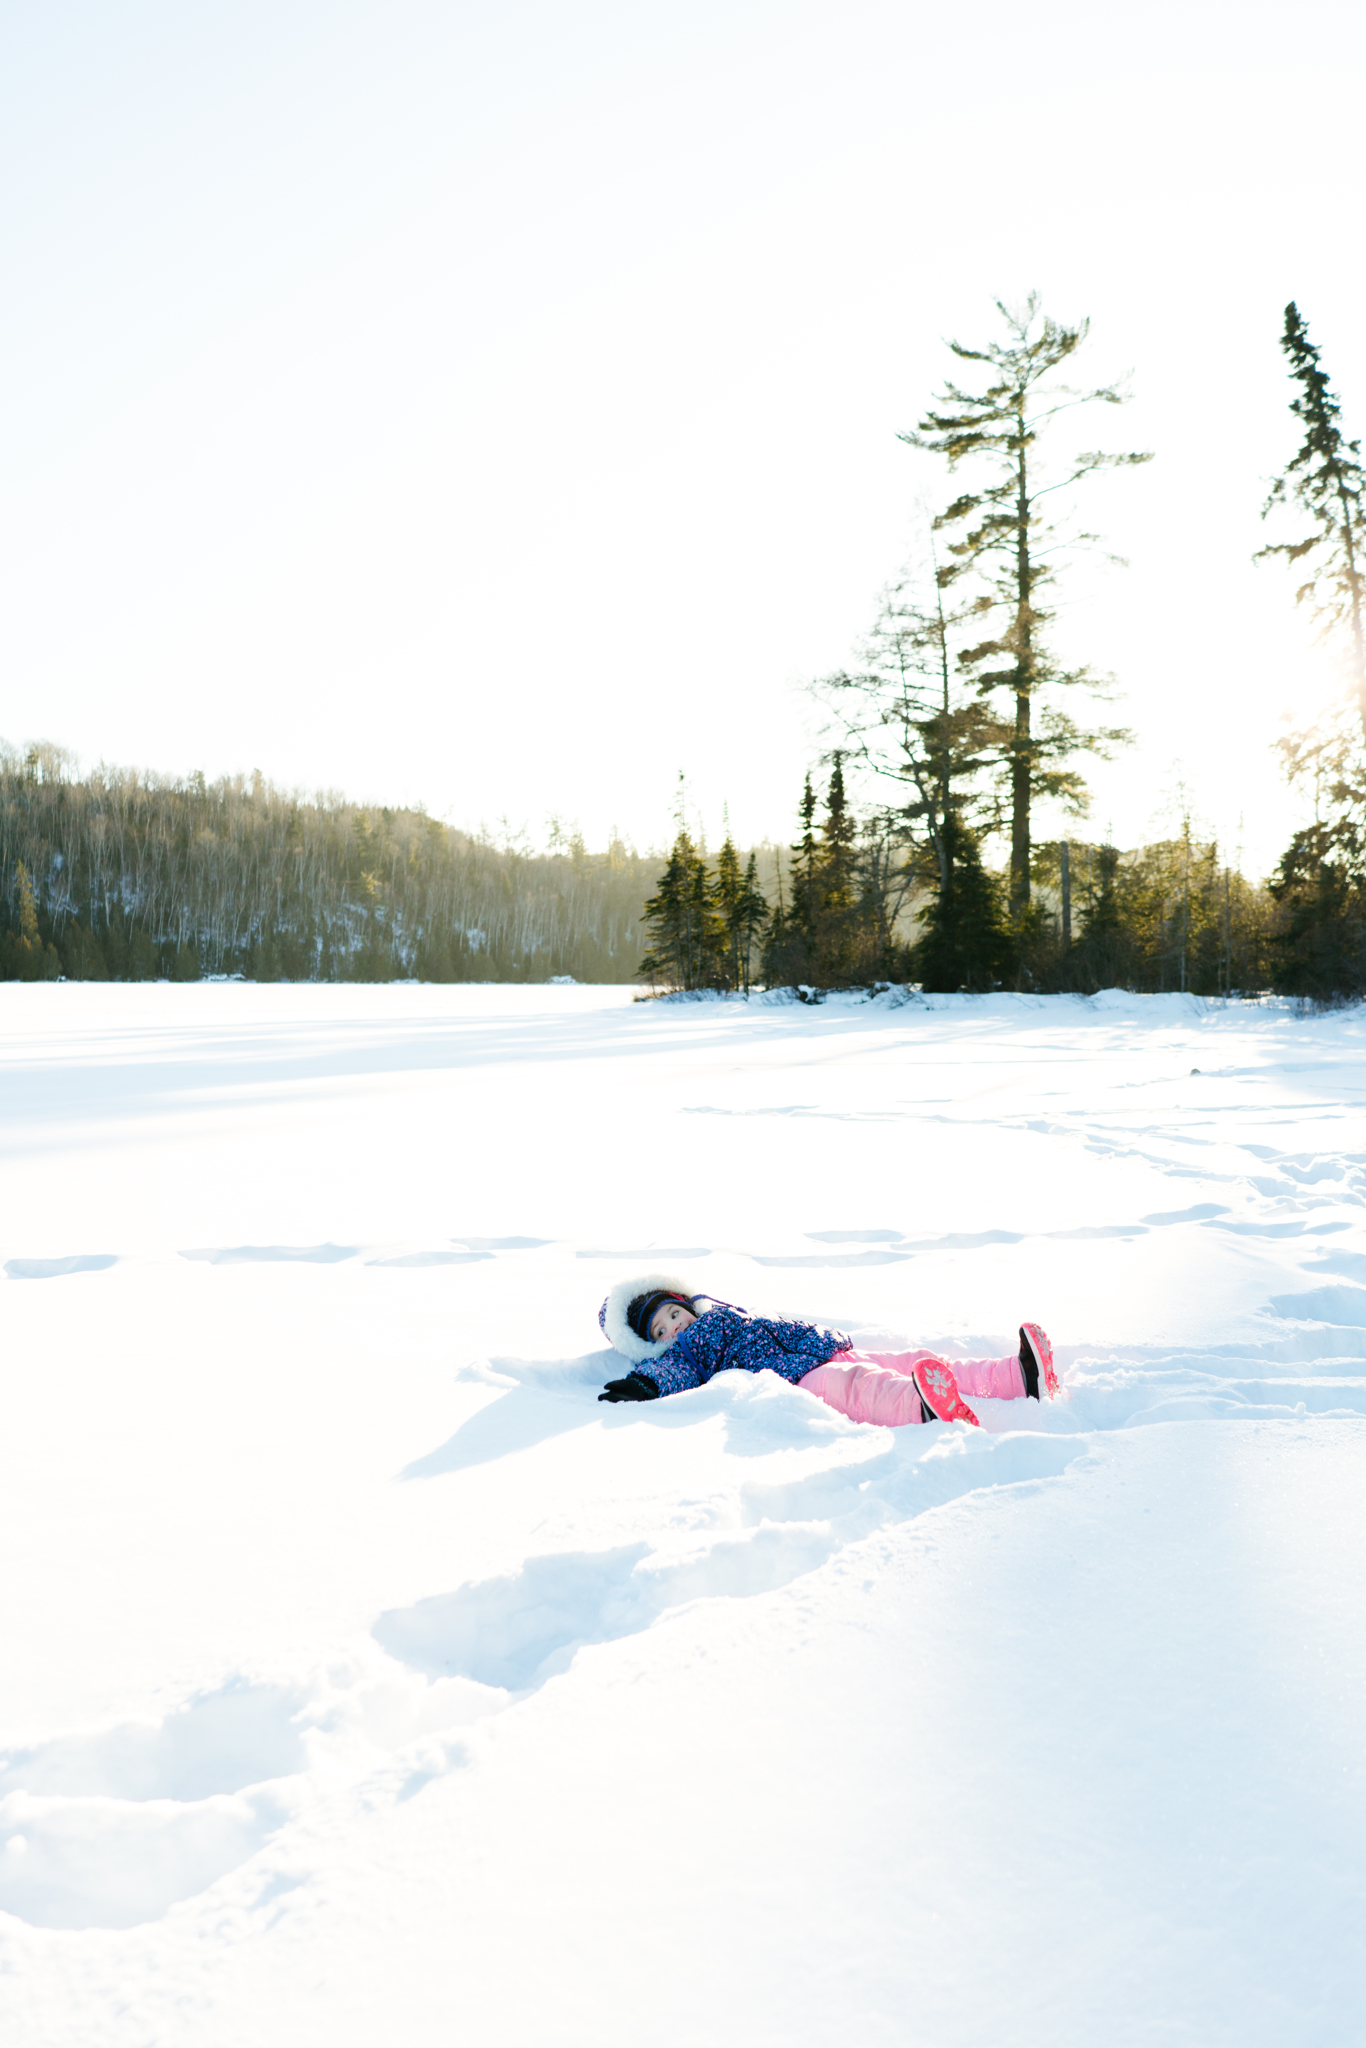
column 612, row 1315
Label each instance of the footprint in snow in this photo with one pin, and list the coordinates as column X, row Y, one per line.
column 111, row 1829
column 56, row 1269
column 433, row 1259
column 275, row 1254
column 516, row 1632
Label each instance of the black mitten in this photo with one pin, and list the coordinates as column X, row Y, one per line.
column 637, row 1386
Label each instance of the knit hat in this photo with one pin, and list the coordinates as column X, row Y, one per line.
column 631, row 1307
column 642, row 1311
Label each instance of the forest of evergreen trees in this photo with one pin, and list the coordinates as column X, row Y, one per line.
column 957, row 720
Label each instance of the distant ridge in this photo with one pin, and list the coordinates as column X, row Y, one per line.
column 124, row 874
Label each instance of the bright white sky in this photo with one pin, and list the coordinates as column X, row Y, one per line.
column 496, row 404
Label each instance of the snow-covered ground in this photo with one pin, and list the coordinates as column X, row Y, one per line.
column 364, row 1681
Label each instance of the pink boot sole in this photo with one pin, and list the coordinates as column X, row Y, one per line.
column 1036, row 1338
column 938, row 1389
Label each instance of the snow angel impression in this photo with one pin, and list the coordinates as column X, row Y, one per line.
column 676, row 1339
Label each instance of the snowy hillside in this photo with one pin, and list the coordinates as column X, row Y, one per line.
column 366, row 1681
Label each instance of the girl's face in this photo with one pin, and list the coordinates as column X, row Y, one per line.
column 666, row 1322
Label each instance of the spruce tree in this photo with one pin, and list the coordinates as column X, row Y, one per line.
column 706, row 935
column 727, row 890
column 685, row 928
column 834, row 909
column 1319, row 947
column 742, row 911
column 838, row 834
column 1325, row 481
column 805, row 907
column 778, row 935
column 846, row 887
column 666, row 918
column 791, row 941
column 1010, row 550
column 966, row 944
column 751, row 918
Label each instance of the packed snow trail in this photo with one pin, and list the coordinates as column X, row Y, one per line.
column 366, row 1679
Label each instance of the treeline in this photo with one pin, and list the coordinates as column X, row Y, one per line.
column 851, row 906
column 123, row 875
column 126, row 876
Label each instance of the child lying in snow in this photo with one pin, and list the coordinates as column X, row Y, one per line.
column 657, row 1322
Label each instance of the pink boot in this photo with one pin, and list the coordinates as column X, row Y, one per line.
column 1036, row 1362
column 938, row 1389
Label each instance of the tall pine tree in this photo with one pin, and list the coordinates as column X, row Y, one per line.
column 1320, row 889
column 1324, row 480
column 1011, row 547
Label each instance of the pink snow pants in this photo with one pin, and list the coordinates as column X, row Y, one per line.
column 876, row 1386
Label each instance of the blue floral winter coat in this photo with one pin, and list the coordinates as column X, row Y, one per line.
column 726, row 1340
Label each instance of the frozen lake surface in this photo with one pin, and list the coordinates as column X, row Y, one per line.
column 366, row 1681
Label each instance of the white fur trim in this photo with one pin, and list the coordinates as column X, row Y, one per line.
column 612, row 1315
